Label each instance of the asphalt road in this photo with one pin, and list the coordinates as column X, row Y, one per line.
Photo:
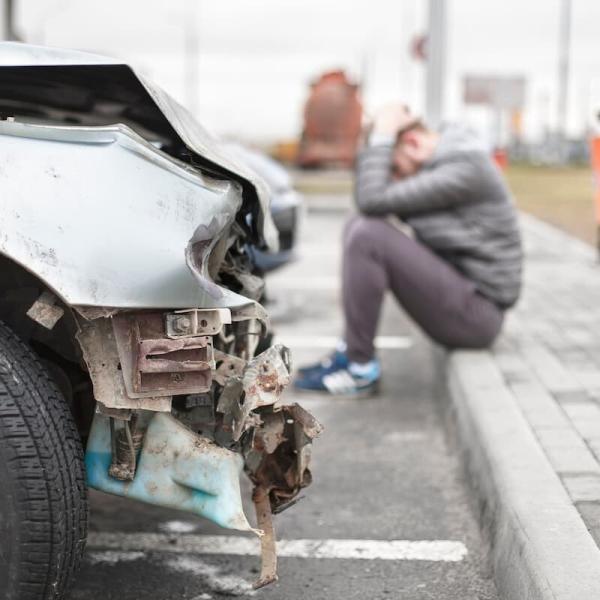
column 383, row 471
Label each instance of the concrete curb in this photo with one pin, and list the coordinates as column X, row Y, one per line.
column 540, row 547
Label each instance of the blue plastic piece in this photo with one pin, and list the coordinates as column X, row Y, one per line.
column 176, row 468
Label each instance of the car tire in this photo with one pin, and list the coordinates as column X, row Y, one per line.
column 43, row 496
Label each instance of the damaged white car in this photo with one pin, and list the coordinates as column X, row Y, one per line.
column 129, row 318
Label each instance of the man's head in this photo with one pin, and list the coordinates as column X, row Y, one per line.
column 415, row 145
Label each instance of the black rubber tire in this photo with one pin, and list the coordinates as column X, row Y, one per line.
column 43, row 497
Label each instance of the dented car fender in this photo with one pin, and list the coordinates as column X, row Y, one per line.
column 60, row 185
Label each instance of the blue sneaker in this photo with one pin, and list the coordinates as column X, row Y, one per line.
column 351, row 381
column 332, row 362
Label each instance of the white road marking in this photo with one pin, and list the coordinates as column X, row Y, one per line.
column 112, row 557
column 383, row 342
column 214, row 578
column 424, row 550
column 178, row 527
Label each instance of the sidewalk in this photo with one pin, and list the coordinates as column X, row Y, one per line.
column 528, row 413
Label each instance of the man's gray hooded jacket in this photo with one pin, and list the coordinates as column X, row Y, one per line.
column 457, row 204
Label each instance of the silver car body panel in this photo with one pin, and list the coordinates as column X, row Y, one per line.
column 104, row 218
column 195, row 137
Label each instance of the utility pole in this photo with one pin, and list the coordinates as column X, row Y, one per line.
column 8, row 21
column 436, row 63
column 564, row 51
column 192, row 55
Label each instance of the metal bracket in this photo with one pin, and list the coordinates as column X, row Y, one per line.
column 193, row 322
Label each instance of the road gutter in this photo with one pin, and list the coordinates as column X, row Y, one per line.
column 540, row 547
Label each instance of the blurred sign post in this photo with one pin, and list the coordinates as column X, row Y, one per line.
column 436, row 63
column 8, row 20
column 564, row 45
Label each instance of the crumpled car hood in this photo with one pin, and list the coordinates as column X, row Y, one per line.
column 177, row 119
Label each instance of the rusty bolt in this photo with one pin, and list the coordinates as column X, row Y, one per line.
column 182, row 324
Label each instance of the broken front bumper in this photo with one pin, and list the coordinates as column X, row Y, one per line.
column 181, row 412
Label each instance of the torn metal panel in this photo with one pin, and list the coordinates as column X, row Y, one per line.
column 266, row 377
column 100, row 353
column 236, row 417
column 198, row 250
column 284, row 471
column 156, row 365
column 277, row 446
column 262, row 383
column 306, row 429
column 268, row 548
column 46, row 311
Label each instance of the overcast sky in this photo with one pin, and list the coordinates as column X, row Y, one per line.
column 256, row 57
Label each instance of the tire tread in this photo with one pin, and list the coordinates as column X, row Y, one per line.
column 41, row 448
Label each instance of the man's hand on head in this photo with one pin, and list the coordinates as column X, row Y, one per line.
column 390, row 119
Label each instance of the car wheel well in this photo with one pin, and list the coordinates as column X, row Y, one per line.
column 56, row 348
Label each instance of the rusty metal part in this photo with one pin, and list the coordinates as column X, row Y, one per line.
column 266, row 376
column 237, row 417
column 194, row 322
column 306, row 428
column 45, row 311
column 285, row 470
column 156, row 365
column 99, row 349
column 268, row 549
column 126, row 442
column 262, row 384
column 270, row 434
column 276, row 440
column 249, row 417
column 227, row 366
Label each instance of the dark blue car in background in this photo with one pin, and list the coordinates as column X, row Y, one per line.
column 286, row 205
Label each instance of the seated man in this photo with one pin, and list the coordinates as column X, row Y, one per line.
column 438, row 228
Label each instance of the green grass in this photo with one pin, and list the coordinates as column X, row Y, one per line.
column 560, row 196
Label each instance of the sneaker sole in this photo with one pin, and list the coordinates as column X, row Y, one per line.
column 370, row 392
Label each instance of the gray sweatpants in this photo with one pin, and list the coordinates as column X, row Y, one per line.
column 443, row 302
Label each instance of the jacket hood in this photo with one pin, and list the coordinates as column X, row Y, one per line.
column 456, row 138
